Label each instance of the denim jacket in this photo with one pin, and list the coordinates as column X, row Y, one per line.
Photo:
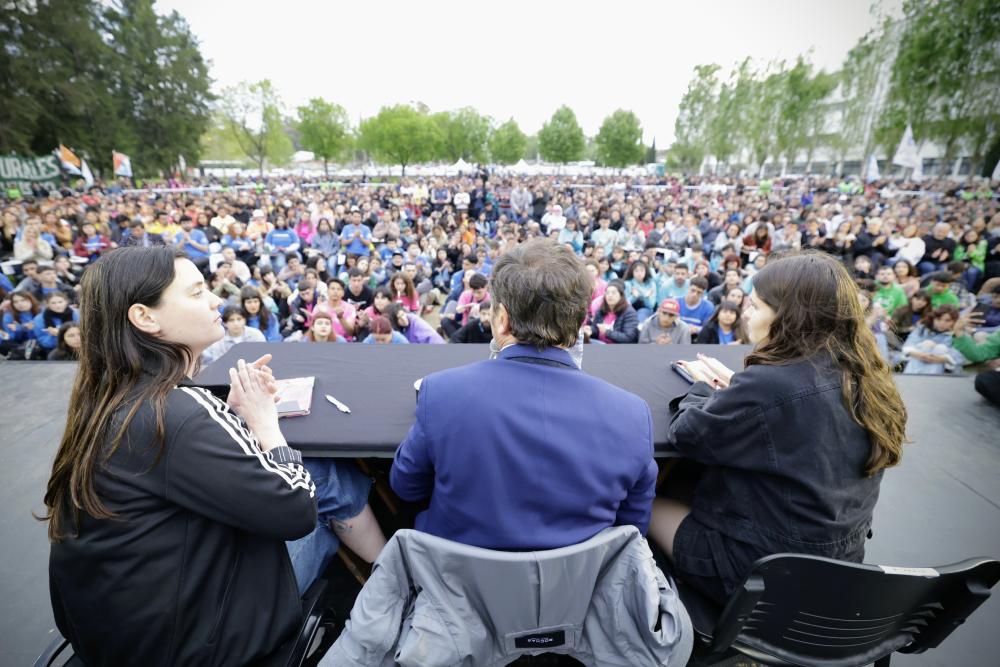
column 785, row 460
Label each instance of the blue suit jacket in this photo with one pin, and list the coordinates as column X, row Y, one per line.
column 526, row 452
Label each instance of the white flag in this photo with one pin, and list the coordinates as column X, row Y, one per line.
column 906, row 153
column 88, row 177
column 182, row 163
column 872, row 173
column 996, row 172
column 123, row 164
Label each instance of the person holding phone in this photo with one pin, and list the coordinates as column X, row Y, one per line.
column 794, row 445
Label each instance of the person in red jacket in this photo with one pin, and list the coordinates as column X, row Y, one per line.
column 89, row 243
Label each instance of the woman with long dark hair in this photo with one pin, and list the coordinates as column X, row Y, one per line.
column 167, row 507
column 68, row 345
column 258, row 315
column 794, row 445
column 613, row 318
column 724, row 327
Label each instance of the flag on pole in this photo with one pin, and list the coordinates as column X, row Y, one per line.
column 872, row 173
column 123, row 164
column 70, row 162
column 906, row 153
column 88, row 177
column 182, row 164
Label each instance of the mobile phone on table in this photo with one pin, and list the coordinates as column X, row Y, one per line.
column 680, row 370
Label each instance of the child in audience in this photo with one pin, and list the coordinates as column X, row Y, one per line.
column 68, row 345
column 47, row 322
column 929, row 348
column 18, row 325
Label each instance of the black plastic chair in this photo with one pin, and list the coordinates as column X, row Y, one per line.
column 291, row 654
column 795, row 609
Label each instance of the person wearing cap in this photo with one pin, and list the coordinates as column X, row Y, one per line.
column 258, row 227
column 382, row 333
column 666, row 326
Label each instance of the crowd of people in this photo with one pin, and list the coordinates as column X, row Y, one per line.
column 408, row 262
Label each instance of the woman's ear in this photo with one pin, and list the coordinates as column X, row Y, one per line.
column 144, row 319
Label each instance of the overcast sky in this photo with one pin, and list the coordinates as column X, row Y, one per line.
column 513, row 59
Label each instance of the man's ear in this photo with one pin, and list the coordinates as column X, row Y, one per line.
column 500, row 319
column 144, row 319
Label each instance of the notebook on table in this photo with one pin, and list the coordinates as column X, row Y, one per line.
column 295, row 396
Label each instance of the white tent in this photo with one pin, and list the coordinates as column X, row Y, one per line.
column 461, row 167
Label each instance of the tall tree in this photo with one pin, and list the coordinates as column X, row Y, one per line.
column 400, row 135
column 800, row 105
column 463, row 134
column 946, row 75
column 100, row 76
column 619, row 141
column 324, row 130
column 507, row 143
column 561, row 138
column 253, row 116
column 694, row 116
column 167, row 83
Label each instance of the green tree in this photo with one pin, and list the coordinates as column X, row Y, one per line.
column 253, row 116
column 801, row 112
column 167, row 103
column 651, row 152
column 619, row 141
column 692, row 129
column 561, row 138
column 400, row 135
column 463, row 134
column 218, row 143
column 946, row 75
column 101, row 76
column 507, row 143
column 324, row 130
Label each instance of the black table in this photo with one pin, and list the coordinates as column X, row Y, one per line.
column 376, row 382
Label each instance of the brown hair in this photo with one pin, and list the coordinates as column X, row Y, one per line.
column 932, row 314
column 817, row 312
column 114, row 357
column 545, row 290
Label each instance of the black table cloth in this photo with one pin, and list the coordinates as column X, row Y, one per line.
column 376, row 382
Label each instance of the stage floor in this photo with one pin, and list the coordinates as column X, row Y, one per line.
column 940, row 506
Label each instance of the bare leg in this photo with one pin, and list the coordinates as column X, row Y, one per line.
column 361, row 534
column 666, row 519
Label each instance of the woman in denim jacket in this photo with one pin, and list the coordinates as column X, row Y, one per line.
column 793, row 446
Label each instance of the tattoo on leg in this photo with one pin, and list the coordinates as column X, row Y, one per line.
column 341, row 527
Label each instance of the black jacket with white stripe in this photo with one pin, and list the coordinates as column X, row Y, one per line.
column 193, row 570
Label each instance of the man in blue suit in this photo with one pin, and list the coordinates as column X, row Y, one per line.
column 526, row 451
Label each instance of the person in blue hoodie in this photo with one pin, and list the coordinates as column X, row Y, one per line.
column 258, row 316
column 280, row 241
column 18, row 324
column 46, row 324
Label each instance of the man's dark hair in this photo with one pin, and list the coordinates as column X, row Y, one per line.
column 545, row 290
column 941, row 277
column 472, row 259
column 229, row 311
column 698, row 281
column 478, row 281
column 355, row 271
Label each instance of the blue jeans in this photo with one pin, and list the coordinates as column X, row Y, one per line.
column 341, row 493
column 930, row 267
